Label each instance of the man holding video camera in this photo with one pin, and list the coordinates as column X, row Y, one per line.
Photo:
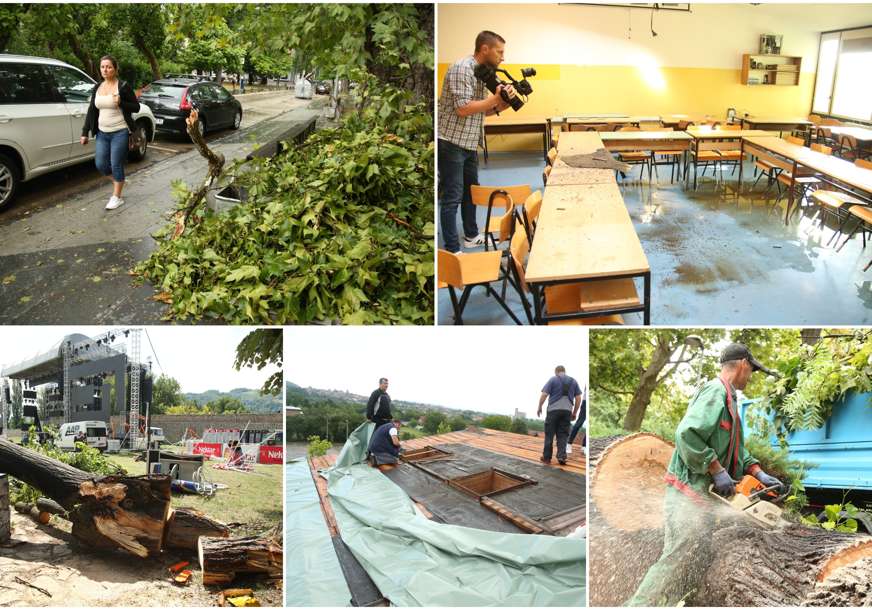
column 462, row 107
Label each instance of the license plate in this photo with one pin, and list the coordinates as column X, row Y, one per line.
column 159, row 121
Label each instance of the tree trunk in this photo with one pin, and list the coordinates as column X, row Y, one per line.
column 112, row 512
column 223, row 559
column 186, row 526
column 749, row 565
column 149, row 56
column 648, row 382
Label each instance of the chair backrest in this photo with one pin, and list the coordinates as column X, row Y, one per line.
column 683, row 125
column 662, row 129
column 650, row 125
column 448, row 268
column 814, row 118
column 552, row 156
column 629, row 128
column 863, row 163
column 481, row 195
column 731, row 126
column 506, row 226
column 822, row 149
column 545, row 174
column 519, row 248
column 795, row 140
column 830, row 122
column 605, row 127
column 533, row 205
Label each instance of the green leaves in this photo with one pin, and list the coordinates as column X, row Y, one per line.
column 340, row 230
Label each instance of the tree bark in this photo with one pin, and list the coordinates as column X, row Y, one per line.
column 648, row 382
column 149, row 56
column 223, row 559
column 186, row 526
column 112, row 512
column 749, row 565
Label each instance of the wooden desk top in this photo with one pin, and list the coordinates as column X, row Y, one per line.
column 860, row 133
column 511, row 118
column 777, row 120
column 564, row 175
column 584, row 232
column 839, row 169
column 724, row 134
column 609, row 120
column 607, row 136
column 579, row 143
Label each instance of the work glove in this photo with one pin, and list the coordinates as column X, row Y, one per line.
column 768, row 480
column 724, row 484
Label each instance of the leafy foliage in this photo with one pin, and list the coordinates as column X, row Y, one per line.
column 497, row 422
column 259, row 348
column 166, row 393
column 444, row 427
column 813, row 379
column 84, row 458
column 318, row 447
column 838, row 518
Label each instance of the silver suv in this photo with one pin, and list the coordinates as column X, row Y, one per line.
column 43, row 103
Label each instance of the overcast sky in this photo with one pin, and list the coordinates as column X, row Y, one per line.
column 490, row 369
column 199, row 357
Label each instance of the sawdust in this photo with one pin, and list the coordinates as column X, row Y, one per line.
column 47, row 558
column 850, row 585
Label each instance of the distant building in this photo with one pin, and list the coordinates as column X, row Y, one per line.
column 293, row 411
column 519, row 415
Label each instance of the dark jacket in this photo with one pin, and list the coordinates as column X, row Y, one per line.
column 129, row 105
column 381, row 442
column 378, row 408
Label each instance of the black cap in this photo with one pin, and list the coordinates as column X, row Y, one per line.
column 737, row 351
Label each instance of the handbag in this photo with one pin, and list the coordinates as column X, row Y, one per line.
column 133, row 141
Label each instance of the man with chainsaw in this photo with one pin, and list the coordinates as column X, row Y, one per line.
column 709, row 455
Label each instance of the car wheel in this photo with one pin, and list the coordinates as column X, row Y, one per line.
column 237, row 119
column 138, row 154
column 201, row 126
column 9, row 179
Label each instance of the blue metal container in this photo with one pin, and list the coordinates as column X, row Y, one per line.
column 841, row 449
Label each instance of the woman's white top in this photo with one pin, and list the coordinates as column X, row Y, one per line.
column 111, row 118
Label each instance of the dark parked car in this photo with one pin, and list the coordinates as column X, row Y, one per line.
column 323, row 87
column 172, row 99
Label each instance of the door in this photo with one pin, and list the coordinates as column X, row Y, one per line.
column 75, row 87
column 224, row 100
column 33, row 116
column 203, row 100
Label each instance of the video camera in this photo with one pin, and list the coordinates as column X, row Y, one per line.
column 488, row 76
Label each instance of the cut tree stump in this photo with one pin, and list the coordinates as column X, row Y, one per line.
column 749, row 564
column 111, row 512
column 185, row 527
column 223, row 559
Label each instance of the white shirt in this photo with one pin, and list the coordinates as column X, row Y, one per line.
column 110, row 118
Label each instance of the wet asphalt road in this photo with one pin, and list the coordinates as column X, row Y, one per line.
column 64, row 259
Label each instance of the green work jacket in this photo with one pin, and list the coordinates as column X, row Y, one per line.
column 710, row 429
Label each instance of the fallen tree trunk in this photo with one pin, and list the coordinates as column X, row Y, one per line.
column 223, row 559
column 749, row 565
column 185, row 527
column 112, row 512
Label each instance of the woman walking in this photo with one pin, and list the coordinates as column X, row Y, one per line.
column 110, row 119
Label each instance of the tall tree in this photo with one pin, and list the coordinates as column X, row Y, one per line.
column 145, row 26
column 166, row 393
column 260, row 348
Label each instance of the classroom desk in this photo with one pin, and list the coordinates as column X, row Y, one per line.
column 646, row 140
column 511, row 124
column 863, row 135
column 584, row 233
column 564, row 175
column 779, row 124
column 708, row 139
column 792, row 158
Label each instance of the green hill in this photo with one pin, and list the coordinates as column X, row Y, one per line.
column 253, row 400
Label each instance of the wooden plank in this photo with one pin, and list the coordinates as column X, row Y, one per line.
column 725, row 134
column 321, row 486
column 526, row 524
column 584, row 232
column 566, row 521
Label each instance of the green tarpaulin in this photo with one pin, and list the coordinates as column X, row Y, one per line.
column 314, row 577
column 417, row 562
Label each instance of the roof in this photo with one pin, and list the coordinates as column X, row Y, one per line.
column 31, row 59
column 48, row 364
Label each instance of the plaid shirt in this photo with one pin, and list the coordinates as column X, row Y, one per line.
column 458, row 89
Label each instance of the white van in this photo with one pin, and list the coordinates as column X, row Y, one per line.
column 92, row 433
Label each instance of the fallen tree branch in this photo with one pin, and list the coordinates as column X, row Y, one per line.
column 32, row 586
column 216, row 164
column 223, row 559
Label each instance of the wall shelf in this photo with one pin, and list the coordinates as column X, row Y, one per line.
column 781, row 70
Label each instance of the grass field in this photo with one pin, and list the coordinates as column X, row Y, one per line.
column 252, row 502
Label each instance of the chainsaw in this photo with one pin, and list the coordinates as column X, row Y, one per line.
column 757, row 501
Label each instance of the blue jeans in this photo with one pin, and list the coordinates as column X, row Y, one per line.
column 458, row 170
column 112, row 153
column 582, row 414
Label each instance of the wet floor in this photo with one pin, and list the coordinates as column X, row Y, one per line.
column 716, row 257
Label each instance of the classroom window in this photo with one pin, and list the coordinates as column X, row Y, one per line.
column 843, row 87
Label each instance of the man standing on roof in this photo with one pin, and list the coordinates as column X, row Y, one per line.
column 463, row 104
column 378, row 408
column 709, row 450
column 384, row 444
column 564, row 401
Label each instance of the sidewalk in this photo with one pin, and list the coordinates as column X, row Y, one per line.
column 69, row 264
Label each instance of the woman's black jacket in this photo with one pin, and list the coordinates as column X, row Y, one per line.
column 129, row 105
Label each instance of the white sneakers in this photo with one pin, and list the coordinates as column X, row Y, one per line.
column 568, row 448
column 114, row 202
column 472, row 242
